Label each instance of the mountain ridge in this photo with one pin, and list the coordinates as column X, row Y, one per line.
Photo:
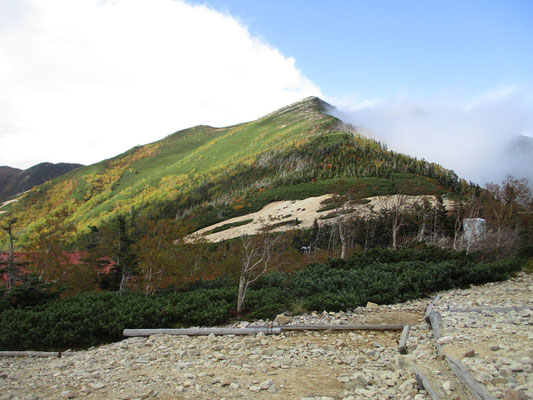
column 205, row 174
column 14, row 181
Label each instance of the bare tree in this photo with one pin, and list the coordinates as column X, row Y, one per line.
column 345, row 198
column 458, row 214
column 342, row 220
column 395, row 208
column 425, row 213
column 502, row 206
column 258, row 255
column 502, row 203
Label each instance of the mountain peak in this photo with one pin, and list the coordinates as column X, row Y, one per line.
column 314, row 101
column 308, row 105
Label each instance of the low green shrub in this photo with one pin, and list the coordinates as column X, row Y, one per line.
column 29, row 294
column 230, row 225
column 338, row 283
column 380, row 276
column 88, row 319
column 288, row 222
column 329, row 301
column 272, row 279
column 266, row 303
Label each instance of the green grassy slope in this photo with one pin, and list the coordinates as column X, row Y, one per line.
column 159, row 170
column 209, row 174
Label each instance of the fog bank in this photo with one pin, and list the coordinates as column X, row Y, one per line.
column 482, row 139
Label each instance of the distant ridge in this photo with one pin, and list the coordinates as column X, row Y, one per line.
column 14, row 181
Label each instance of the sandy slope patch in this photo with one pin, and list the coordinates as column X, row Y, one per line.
column 306, row 211
column 279, row 211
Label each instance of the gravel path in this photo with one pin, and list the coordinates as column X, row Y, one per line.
column 305, row 365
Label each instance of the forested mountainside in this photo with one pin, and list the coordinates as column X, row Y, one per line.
column 14, row 181
column 207, row 174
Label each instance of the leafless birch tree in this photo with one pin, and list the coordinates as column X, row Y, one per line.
column 396, row 209
column 258, row 255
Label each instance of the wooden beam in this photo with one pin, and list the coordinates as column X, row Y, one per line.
column 57, row 354
column 402, row 347
column 477, row 390
column 490, row 309
column 257, row 329
column 201, row 331
column 381, row 327
column 425, row 384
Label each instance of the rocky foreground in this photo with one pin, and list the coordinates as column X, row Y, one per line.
column 488, row 328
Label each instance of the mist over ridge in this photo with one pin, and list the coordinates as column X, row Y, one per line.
column 483, row 140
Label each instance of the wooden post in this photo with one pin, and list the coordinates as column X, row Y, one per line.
column 477, row 390
column 435, row 321
column 429, row 310
column 424, row 383
column 402, row 347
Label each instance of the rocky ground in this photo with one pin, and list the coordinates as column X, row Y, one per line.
column 490, row 329
column 495, row 345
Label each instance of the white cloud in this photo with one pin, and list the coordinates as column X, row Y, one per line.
column 83, row 80
column 479, row 138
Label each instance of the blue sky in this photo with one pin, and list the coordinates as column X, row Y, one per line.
column 449, row 81
column 378, row 48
